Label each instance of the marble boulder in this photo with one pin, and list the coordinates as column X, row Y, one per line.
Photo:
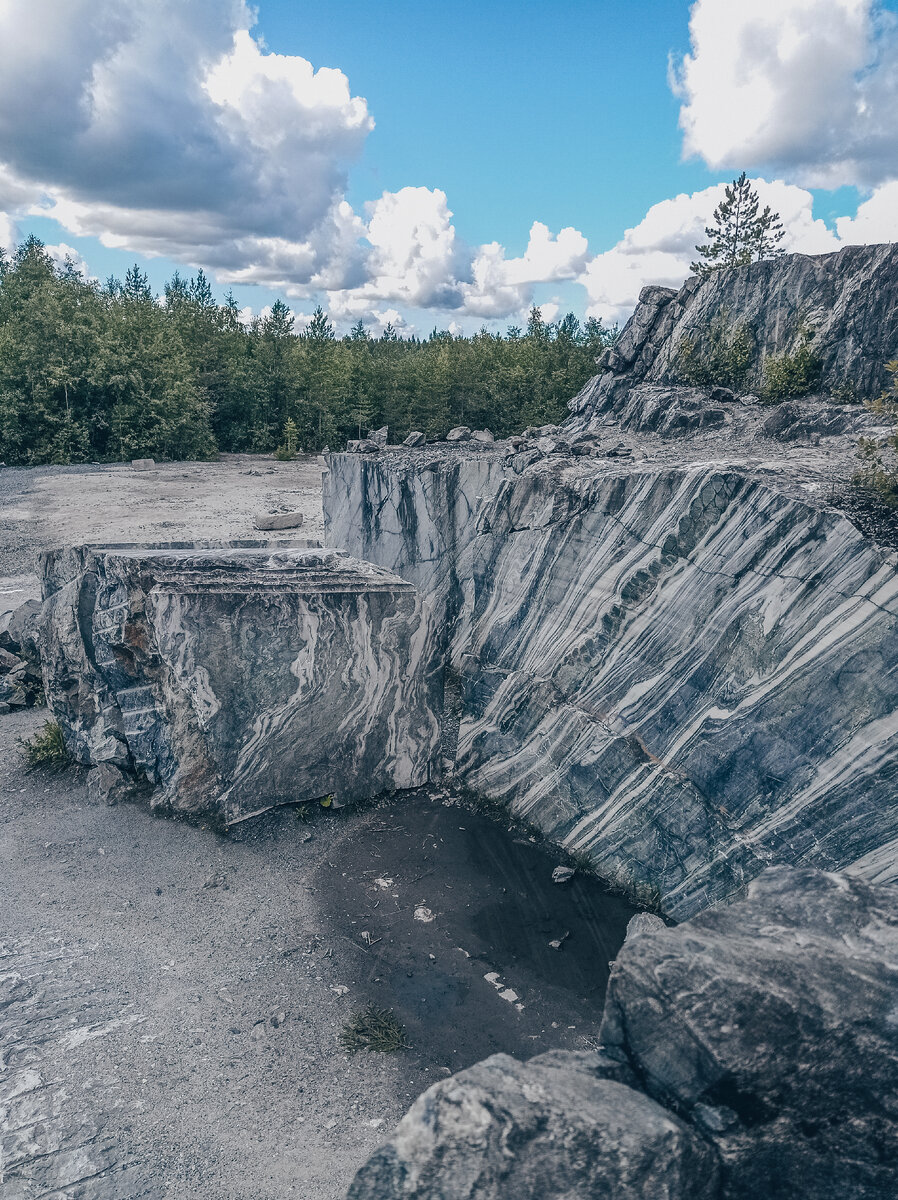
column 771, row 1026
column 749, row 1054
column 554, row 1128
column 235, row 678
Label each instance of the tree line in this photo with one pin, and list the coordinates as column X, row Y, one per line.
column 92, row 372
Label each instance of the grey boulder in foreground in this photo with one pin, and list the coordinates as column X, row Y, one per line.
column 760, row 1045
column 236, row 678
column 550, row 1129
column 773, row 1025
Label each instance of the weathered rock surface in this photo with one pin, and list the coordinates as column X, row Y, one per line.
column 234, row 679
column 550, row 1129
column 771, row 1026
column 685, row 672
column 677, row 654
column 750, row 1053
column 849, row 300
column 281, row 520
column 20, row 673
column 19, row 633
column 108, row 784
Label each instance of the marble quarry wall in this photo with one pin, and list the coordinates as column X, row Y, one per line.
column 680, row 672
column 233, row 679
column 678, row 654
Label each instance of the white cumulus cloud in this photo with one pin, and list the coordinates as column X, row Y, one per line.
column 167, row 128
column 9, row 232
column 416, row 259
column 876, row 219
column 661, row 247
column 807, row 87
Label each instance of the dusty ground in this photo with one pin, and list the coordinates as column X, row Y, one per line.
column 51, row 506
column 171, row 999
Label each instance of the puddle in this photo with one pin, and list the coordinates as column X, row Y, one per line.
column 450, row 918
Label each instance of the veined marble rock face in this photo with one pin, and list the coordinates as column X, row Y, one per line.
column 682, row 672
column 846, row 301
column 237, row 678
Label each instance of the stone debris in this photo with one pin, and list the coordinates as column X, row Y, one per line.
column 281, row 520
column 19, row 634
column 483, row 436
column 643, row 923
column 423, row 913
column 563, row 874
column 379, row 436
column 109, row 784
column 21, row 684
column 143, row 464
column 461, row 433
column 415, row 438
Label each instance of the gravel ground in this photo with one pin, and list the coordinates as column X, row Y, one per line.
column 53, row 506
column 171, row 998
column 170, row 1025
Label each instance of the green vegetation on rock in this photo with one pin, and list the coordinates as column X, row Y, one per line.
column 790, row 375
column 723, row 362
column 879, row 456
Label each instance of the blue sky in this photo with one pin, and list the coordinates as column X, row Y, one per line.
column 183, row 135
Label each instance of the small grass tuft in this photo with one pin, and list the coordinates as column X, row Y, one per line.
column 47, row 748
column 373, row 1028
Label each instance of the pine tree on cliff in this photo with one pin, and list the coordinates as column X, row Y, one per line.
column 741, row 232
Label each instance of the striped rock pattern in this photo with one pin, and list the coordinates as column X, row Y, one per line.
column 683, row 673
column 235, row 679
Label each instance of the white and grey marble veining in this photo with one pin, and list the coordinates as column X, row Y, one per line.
column 238, row 678
column 683, row 673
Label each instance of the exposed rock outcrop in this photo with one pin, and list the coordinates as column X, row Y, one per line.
column 677, row 655
column 848, row 301
column 749, row 1053
column 682, row 672
column 237, row 678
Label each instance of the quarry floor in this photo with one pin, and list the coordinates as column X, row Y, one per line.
column 53, row 506
column 171, row 998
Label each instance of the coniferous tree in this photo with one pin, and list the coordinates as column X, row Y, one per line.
column 741, row 232
column 90, row 372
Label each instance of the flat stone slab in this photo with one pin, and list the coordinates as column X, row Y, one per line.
column 285, row 520
column 235, row 678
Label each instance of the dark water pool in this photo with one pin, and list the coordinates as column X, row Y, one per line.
column 452, row 916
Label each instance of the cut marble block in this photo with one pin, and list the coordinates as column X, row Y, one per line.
column 243, row 676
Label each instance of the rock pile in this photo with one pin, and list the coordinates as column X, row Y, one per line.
column 749, row 1053
column 21, row 684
